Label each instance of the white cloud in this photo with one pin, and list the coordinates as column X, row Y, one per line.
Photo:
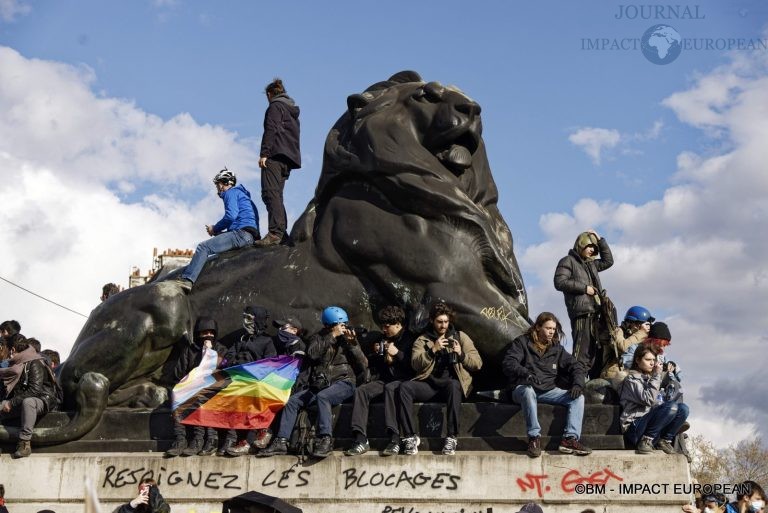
column 73, row 158
column 594, row 140
column 696, row 256
column 11, row 9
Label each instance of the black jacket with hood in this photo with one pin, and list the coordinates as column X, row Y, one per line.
column 191, row 355
column 251, row 348
column 281, row 131
column 399, row 368
column 574, row 274
column 554, row 368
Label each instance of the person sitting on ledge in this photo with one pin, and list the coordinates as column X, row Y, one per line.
column 335, row 358
column 237, row 229
column 633, row 330
column 31, row 392
column 149, row 500
column 645, row 419
column 390, row 365
column 442, row 359
column 535, row 364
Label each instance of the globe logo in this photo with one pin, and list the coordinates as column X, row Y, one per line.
column 661, row 44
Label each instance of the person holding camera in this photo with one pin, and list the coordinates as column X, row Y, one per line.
column 390, row 364
column 149, row 500
column 335, row 358
column 442, row 360
column 537, row 366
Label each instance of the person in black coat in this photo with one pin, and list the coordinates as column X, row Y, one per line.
column 189, row 440
column 577, row 278
column 31, row 392
column 280, row 153
column 254, row 345
column 149, row 500
column 539, row 369
column 390, row 365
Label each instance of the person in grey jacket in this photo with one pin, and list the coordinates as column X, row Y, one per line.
column 645, row 419
column 576, row 276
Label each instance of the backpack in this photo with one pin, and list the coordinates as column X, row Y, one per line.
column 302, row 440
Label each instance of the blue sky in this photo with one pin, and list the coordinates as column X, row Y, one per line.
column 151, row 98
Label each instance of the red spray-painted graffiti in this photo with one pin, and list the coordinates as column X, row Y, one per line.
column 537, row 482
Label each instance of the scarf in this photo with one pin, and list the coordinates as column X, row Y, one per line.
column 11, row 375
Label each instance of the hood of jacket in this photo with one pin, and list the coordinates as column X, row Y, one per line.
column 260, row 317
column 582, row 241
column 290, row 105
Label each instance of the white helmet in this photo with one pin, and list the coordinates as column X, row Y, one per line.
column 226, row 177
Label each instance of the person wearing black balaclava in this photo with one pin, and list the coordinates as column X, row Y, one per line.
column 189, row 440
column 253, row 345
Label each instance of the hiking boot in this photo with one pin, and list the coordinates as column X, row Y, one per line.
column 269, row 240
column 241, row 448
column 227, row 445
column 278, row 447
column 644, row 446
column 449, row 447
column 193, row 448
column 573, row 446
column 358, row 448
column 685, row 427
column 263, row 437
column 177, row 447
column 411, row 445
column 392, row 449
column 534, row 446
column 209, row 447
column 323, row 447
column 184, row 283
column 23, row 449
column 666, row 446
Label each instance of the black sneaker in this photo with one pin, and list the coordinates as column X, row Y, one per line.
column 323, row 447
column 193, row 449
column 573, row 446
column 392, row 449
column 277, row 447
column 534, row 446
column 358, row 448
column 177, row 447
column 228, row 443
column 209, row 447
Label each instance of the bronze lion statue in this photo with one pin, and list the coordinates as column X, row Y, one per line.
column 404, row 213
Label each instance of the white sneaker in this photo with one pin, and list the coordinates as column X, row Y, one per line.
column 411, row 445
column 449, row 447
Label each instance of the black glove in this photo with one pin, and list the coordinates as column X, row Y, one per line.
column 576, row 391
column 532, row 380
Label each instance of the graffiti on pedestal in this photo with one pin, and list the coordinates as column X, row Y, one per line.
column 115, row 477
column 413, row 509
column 568, row 483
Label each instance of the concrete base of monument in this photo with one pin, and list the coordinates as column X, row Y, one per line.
column 469, row 482
column 484, row 426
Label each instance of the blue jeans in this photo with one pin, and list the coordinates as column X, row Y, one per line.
column 325, row 400
column 527, row 397
column 213, row 246
column 662, row 421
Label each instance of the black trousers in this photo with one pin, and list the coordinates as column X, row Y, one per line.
column 273, row 178
column 584, row 331
column 363, row 396
column 420, row 391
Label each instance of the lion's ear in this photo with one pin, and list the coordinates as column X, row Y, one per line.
column 403, row 77
column 355, row 102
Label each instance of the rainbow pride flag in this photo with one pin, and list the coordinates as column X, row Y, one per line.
column 242, row 397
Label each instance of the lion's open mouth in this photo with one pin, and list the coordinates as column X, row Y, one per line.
column 456, row 152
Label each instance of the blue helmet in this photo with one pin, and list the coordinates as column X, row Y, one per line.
column 638, row 314
column 333, row 315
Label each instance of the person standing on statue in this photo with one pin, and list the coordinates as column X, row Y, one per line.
column 577, row 278
column 280, row 153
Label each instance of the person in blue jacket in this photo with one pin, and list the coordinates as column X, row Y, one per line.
column 238, row 228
